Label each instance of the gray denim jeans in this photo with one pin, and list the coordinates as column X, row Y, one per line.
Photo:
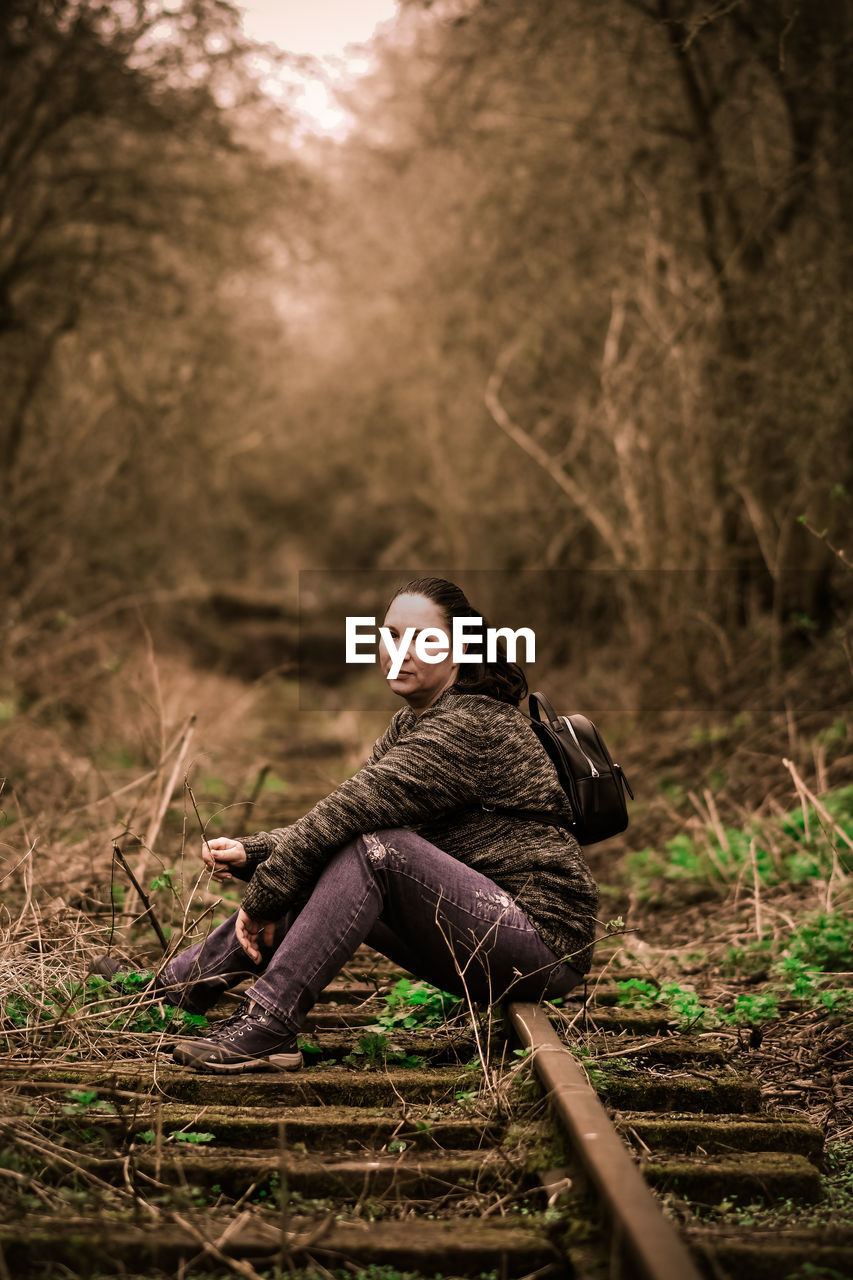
column 426, row 911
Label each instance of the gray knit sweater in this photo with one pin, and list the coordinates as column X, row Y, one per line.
column 434, row 773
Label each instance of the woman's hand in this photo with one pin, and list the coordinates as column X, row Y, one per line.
column 220, row 854
column 250, row 933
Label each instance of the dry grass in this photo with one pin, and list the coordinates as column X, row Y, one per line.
column 116, row 744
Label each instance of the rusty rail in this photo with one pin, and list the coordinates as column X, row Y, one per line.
column 639, row 1226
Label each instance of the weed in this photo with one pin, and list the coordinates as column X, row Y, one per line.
column 193, row 1138
column 789, row 850
column 824, row 940
column 799, row 980
column 837, row 1002
column 58, row 1014
column 750, row 1010
column 467, row 1097
column 750, row 961
column 86, row 1100
column 165, row 880
column 686, row 1008
column 682, row 1003
column 309, row 1049
column 637, row 993
column 797, row 965
column 813, row 1271
column 375, row 1049
column 383, row 1271
column 416, row 1004
column 372, row 1048
column 269, row 1192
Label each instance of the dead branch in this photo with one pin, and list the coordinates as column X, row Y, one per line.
column 146, row 902
column 544, row 460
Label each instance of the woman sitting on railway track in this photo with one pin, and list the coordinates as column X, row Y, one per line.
column 410, row 856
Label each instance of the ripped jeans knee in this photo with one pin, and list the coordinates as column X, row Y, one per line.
column 380, row 849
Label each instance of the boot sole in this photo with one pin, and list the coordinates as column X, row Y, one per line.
column 273, row 1062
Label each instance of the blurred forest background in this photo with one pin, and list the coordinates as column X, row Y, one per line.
column 574, row 293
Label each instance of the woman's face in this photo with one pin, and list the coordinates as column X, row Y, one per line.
column 419, row 682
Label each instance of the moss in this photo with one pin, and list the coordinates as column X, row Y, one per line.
column 709, row 1093
column 766, row 1176
column 768, row 1259
column 314, row 1087
column 727, row 1133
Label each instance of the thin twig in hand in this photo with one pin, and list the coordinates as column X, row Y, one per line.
column 163, row 804
column 146, row 902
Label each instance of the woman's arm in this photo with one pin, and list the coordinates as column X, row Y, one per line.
column 258, row 852
column 434, row 769
column 387, row 739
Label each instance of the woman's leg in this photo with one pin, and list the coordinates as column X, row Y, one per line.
column 196, row 978
column 440, row 918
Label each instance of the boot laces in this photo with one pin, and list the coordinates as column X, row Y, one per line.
column 226, row 1028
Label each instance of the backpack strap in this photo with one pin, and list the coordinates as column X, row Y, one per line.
column 593, row 784
column 539, row 703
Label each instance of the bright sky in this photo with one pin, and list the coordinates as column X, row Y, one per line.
column 323, row 28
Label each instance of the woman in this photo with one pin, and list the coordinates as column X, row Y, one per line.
column 411, row 856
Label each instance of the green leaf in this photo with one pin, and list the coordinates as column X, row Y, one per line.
column 308, row 1047
column 83, row 1097
column 193, row 1019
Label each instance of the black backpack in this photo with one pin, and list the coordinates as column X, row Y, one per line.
column 594, row 785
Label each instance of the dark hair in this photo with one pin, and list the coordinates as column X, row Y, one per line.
column 500, row 679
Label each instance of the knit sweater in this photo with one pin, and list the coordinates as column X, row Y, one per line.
column 439, row 774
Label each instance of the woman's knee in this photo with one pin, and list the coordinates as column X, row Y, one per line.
column 382, row 849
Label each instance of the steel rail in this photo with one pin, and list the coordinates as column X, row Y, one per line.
column 639, row 1226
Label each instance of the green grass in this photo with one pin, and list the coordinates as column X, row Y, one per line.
column 55, row 1015
column 789, row 850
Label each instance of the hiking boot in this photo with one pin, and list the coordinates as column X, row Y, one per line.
column 250, row 1040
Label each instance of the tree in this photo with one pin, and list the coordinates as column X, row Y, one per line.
column 135, row 209
column 613, row 237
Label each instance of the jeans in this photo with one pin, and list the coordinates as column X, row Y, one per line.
column 426, row 911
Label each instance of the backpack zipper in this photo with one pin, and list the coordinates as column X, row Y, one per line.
column 571, row 728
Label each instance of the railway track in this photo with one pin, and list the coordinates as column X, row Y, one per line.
column 396, row 1150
